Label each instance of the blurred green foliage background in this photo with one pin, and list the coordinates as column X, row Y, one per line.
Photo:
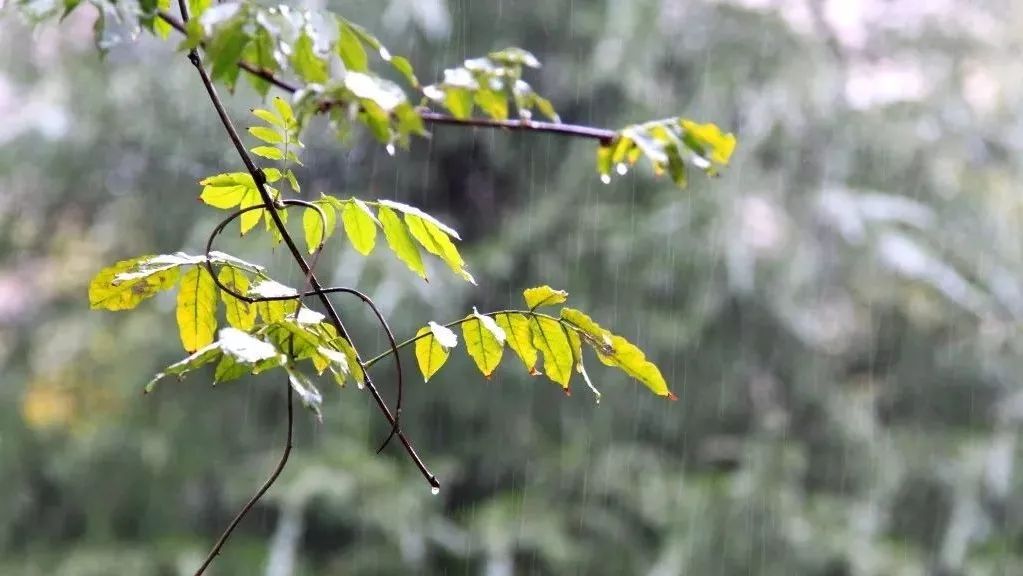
column 838, row 313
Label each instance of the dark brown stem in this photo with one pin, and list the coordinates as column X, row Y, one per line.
column 270, row 205
column 602, row 135
column 259, row 494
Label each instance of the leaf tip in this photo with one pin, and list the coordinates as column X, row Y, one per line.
column 672, row 396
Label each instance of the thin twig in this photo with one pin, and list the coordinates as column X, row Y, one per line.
column 268, row 202
column 602, row 135
column 259, row 494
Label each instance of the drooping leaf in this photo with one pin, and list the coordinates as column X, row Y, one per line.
column 400, row 241
column 484, row 341
column 437, row 242
column 712, row 141
column 307, row 392
column 306, row 62
column 196, row 309
column 318, row 229
column 543, row 296
column 360, row 225
column 350, row 49
column 595, row 335
column 251, row 218
column 432, row 348
column 631, row 360
column 406, row 209
column 240, row 314
column 550, row 339
column 199, row 358
column 244, row 354
column 107, row 292
column 519, row 337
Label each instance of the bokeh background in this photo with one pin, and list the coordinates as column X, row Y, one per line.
column 838, row 313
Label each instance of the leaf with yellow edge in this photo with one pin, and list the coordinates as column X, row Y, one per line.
column 550, row 339
column 400, row 241
column 196, row 310
column 484, row 341
column 432, row 346
column 240, row 314
column 318, row 229
column 519, row 338
column 122, row 286
column 360, row 225
column 543, row 296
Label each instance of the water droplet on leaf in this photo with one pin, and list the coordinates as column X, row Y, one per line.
column 385, row 54
column 622, row 168
column 605, row 178
column 435, row 490
column 390, row 149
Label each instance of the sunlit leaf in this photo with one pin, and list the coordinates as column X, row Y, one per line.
column 519, row 337
column 225, row 191
column 720, row 145
column 284, row 110
column 268, row 152
column 317, row 229
column 360, row 225
column 108, row 293
column 350, row 49
column 432, row 348
column 306, row 62
column 240, row 314
column 631, row 360
column 251, row 218
column 269, row 117
column 196, row 309
column 484, row 341
column 266, row 134
column 400, row 241
column 543, row 296
column 406, row 209
column 550, row 339
column 437, row 242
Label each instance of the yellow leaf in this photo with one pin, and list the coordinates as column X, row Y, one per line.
column 196, row 311
column 719, row 144
column 631, row 360
column 519, row 337
column 543, row 296
column 594, row 334
column 318, row 229
column 250, row 218
column 432, row 348
column 484, row 341
column 110, row 292
column 550, row 339
column 268, row 135
column 360, row 225
column 437, row 242
column 400, row 242
column 240, row 314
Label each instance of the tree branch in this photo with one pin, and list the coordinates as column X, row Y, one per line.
column 259, row 494
column 602, row 135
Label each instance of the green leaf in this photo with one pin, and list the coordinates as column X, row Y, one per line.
column 437, row 242
column 495, row 104
column 269, row 117
column 285, row 111
column 543, row 296
column 307, row 64
column 631, row 360
column 250, row 218
column 519, row 338
column 196, row 310
column 550, row 339
column 268, row 135
column 205, row 355
column 292, row 181
column 318, row 229
column 360, row 225
column 384, row 93
column 268, row 152
column 240, row 314
column 111, row 290
column 350, row 49
column 160, row 26
column 225, row 191
column 484, row 341
column 594, row 334
column 244, row 354
column 225, row 50
column 709, row 136
column 400, row 241
column 406, row 209
column 404, row 67
column 260, row 53
column 459, row 101
column 604, row 163
column 432, row 349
